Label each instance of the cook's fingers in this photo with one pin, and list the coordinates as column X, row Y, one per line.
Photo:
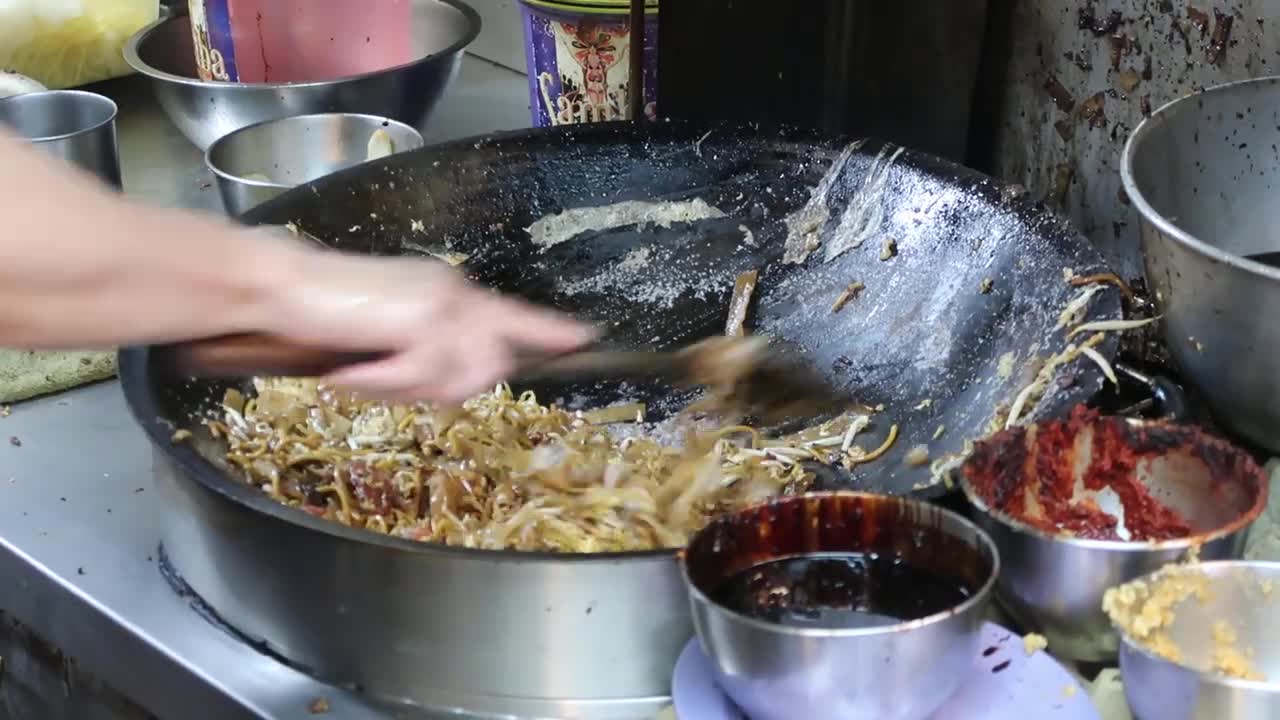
column 410, row 375
column 532, row 327
column 488, row 360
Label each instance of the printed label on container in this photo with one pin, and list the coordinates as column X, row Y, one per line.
column 580, row 67
column 211, row 31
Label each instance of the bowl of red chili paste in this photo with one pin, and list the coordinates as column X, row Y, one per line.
column 1079, row 505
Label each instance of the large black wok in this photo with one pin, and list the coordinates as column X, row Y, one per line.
column 537, row 634
column 922, row 340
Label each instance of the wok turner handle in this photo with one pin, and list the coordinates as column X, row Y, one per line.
column 256, row 354
column 250, row 354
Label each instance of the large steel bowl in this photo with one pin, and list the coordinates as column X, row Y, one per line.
column 1053, row 583
column 1241, row 595
column 206, row 110
column 1203, row 173
column 868, row 670
column 470, row 633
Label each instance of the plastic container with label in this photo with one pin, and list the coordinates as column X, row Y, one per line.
column 578, row 54
column 270, row 41
column 65, row 43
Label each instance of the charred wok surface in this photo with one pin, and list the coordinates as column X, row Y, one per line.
column 941, row 337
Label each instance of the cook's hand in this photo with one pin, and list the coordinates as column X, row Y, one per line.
column 448, row 339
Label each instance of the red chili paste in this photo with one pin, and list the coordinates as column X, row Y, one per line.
column 1015, row 478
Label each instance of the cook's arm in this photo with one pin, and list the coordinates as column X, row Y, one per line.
column 81, row 267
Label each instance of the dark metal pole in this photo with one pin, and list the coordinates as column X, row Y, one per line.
column 636, row 82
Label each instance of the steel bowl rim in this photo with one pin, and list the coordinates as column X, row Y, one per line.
column 1131, row 546
column 134, row 59
column 271, row 184
column 96, row 97
column 1238, row 683
column 981, row 596
column 1164, row 224
column 1124, row 546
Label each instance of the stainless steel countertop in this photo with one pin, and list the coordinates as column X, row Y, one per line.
column 77, row 512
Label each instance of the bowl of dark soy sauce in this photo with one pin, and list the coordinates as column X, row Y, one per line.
column 840, row 605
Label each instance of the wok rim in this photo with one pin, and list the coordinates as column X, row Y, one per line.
column 137, row 379
column 1163, row 224
column 134, row 363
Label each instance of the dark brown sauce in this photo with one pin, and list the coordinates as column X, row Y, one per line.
column 839, row 590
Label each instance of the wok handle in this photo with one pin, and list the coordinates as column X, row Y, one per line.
column 1169, row 398
column 249, row 354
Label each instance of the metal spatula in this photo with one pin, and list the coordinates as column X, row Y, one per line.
column 745, row 374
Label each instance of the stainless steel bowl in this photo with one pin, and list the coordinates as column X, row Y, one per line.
column 1241, row 595
column 897, row 671
column 205, row 111
column 256, row 163
column 1053, row 583
column 74, row 126
column 1202, row 174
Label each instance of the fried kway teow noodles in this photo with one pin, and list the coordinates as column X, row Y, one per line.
column 506, row 472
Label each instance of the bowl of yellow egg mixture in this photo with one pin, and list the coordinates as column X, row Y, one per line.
column 1198, row 640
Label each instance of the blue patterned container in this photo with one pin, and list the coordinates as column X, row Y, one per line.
column 211, row 32
column 578, row 55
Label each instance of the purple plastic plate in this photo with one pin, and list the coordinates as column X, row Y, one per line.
column 1027, row 687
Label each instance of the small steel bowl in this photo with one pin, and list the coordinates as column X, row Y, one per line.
column 1053, row 582
column 256, row 163
column 1241, row 595
column 74, row 126
column 900, row 671
column 207, row 110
